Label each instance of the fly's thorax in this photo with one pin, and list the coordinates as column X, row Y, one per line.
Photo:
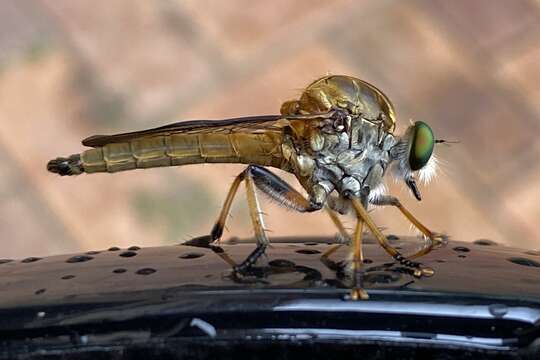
column 346, row 163
column 353, row 95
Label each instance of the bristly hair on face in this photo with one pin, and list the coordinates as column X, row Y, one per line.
column 401, row 169
column 429, row 171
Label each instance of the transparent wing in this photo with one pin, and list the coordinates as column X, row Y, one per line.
column 243, row 124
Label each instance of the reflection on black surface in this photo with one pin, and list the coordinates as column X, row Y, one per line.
column 391, row 275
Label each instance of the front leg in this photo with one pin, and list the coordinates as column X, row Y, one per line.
column 435, row 239
column 362, row 214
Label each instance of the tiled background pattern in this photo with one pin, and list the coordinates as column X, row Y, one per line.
column 71, row 69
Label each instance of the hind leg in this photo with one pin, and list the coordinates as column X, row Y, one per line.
column 256, row 177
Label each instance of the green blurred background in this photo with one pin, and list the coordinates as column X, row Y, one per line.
column 70, row 69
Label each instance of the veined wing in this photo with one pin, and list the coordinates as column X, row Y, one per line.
column 227, row 126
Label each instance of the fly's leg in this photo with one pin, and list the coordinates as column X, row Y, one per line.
column 217, row 230
column 434, row 238
column 258, row 224
column 272, row 186
column 357, row 291
column 374, row 178
column 342, row 232
column 361, row 213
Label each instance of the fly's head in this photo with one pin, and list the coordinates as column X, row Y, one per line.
column 413, row 155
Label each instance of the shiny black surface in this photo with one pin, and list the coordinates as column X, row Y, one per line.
column 483, row 299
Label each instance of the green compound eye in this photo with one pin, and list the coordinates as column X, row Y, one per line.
column 421, row 145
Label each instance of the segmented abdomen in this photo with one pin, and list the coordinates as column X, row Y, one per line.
column 182, row 149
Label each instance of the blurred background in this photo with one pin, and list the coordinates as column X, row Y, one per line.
column 70, row 69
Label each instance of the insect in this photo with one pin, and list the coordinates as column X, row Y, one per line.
column 337, row 139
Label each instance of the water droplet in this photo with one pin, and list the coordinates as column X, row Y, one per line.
column 67, row 277
column 308, row 251
column 498, row 310
column 114, row 248
column 30, row 259
column 79, row 258
column 485, row 242
column 40, row 291
column 191, row 255
column 127, row 254
column 41, row 314
column 145, row 271
column 119, row 271
column 524, row 261
column 134, row 248
column 461, row 249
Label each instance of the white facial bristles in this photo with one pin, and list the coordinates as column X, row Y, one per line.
column 429, row 171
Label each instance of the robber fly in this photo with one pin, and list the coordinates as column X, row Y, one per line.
column 337, row 138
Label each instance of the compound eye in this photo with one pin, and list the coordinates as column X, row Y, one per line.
column 421, row 145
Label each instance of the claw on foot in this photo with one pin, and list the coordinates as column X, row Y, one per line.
column 425, row 271
column 438, row 239
column 359, row 294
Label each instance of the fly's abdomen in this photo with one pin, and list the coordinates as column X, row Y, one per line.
column 178, row 149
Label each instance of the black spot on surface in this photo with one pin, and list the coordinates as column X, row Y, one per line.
column 193, row 286
column 5, row 261
column 382, row 277
column 30, row 259
column 281, row 263
column 128, row 254
column 40, row 291
column 233, row 241
column 145, row 271
column 392, row 237
column 308, row 251
column 134, row 248
column 311, row 244
column 93, row 252
column 461, row 249
column 114, row 248
column 119, row 271
column 498, row 310
column 79, row 258
column 440, row 261
column 67, row 277
column 485, row 242
column 367, row 261
column 191, row 255
column 524, row 261
column 462, row 256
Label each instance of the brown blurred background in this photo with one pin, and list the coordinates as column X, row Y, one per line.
column 69, row 69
